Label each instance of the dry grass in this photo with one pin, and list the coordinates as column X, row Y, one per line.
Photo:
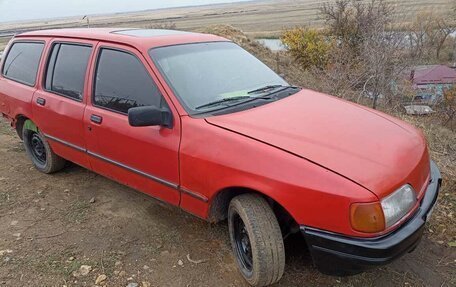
column 442, row 145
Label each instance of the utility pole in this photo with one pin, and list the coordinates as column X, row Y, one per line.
column 88, row 20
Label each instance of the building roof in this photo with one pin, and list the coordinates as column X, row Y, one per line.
column 139, row 38
column 433, row 74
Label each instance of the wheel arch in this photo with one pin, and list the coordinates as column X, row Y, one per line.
column 19, row 122
column 218, row 206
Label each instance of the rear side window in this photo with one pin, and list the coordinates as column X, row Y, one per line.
column 67, row 70
column 122, row 82
column 22, row 62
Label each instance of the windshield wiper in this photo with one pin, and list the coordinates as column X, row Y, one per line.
column 248, row 99
column 265, row 89
column 223, row 101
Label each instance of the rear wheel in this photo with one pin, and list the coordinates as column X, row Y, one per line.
column 40, row 153
column 256, row 240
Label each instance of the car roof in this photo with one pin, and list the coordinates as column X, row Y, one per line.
column 139, row 38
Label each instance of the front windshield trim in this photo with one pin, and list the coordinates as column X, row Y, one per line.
column 191, row 111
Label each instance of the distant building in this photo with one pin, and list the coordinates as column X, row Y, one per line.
column 431, row 81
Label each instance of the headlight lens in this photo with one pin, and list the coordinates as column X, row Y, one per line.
column 396, row 205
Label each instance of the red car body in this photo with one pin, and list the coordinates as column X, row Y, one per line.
column 313, row 154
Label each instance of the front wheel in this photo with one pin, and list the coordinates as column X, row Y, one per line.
column 40, row 153
column 256, row 240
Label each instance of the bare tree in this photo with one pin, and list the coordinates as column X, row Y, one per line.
column 385, row 56
column 444, row 29
column 368, row 55
column 428, row 35
column 370, row 52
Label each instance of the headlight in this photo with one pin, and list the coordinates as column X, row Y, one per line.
column 377, row 216
column 396, row 205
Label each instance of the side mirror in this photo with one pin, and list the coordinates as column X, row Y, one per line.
column 150, row 116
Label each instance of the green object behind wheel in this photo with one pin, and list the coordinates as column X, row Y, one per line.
column 29, row 125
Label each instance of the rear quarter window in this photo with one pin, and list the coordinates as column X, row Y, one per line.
column 22, row 62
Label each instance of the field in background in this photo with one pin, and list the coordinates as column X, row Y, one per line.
column 256, row 19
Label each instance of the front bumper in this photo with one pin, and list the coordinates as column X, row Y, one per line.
column 339, row 255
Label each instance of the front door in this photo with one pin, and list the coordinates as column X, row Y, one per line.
column 145, row 158
column 58, row 107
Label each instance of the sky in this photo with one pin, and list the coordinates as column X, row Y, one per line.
column 25, row 10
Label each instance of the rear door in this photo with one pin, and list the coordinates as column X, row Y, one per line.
column 145, row 158
column 58, row 106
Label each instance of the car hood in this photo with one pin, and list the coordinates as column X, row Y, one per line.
column 367, row 147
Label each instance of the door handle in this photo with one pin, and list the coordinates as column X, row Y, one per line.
column 96, row 119
column 41, row 101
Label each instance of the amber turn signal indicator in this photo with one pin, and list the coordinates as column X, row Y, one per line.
column 367, row 217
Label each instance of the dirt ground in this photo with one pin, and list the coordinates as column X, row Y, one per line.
column 50, row 225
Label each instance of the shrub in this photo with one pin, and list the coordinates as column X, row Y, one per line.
column 308, row 46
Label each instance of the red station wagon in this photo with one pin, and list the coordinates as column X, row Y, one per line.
column 196, row 121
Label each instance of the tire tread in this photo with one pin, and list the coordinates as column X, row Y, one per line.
column 265, row 236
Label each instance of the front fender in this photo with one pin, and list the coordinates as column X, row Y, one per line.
column 213, row 159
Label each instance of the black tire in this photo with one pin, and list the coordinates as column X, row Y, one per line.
column 40, row 153
column 260, row 225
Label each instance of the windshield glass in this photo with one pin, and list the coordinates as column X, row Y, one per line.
column 204, row 73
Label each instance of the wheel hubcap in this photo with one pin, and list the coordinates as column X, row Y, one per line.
column 243, row 246
column 38, row 149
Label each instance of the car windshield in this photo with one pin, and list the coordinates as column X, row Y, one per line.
column 203, row 75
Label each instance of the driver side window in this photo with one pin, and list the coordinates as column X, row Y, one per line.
column 122, row 82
